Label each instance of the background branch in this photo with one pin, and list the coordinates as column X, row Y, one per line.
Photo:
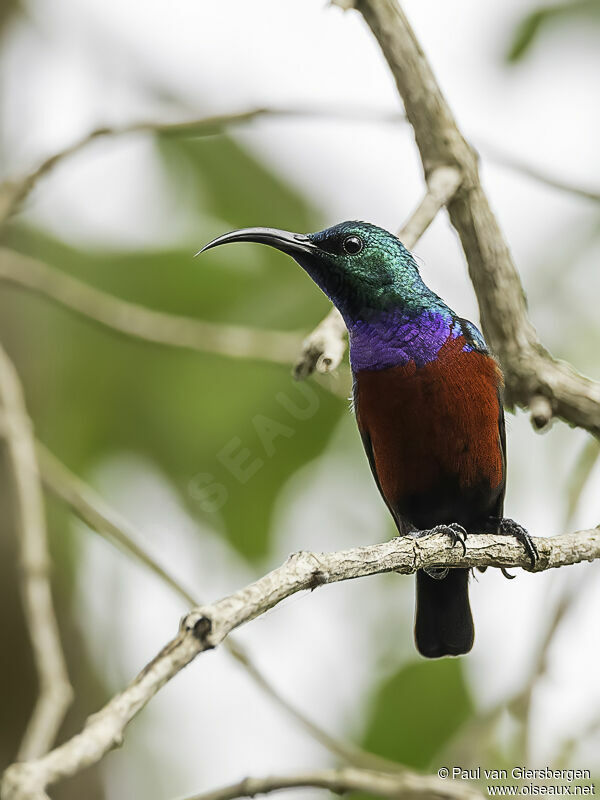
column 206, row 627
column 503, row 159
column 405, row 785
column 156, row 327
column 100, row 517
column 14, row 193
column 143, row 323
column 55, row 691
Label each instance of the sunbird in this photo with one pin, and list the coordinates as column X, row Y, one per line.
column 427, row 395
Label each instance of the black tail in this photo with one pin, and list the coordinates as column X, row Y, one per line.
column 443, row 621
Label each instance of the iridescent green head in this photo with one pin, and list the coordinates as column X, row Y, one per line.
column 363, row 269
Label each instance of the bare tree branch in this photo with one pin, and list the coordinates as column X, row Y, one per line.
column 108, row 523
column 139, row 322
column 206, row 627
column 530, row 371
column 13, row 193
column 503, row 159
column 55, row 691
column 324, row 348
column 100, row 517
column 406, row 785
column 156, row 327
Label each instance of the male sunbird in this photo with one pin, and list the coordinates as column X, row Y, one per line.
column 428, row 402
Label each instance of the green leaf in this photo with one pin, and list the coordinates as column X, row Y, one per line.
column 530, row 27
column 417, row 711
column 228, row 433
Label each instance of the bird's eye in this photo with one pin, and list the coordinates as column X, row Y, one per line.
column 352, row 245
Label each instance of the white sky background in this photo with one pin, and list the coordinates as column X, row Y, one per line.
column 78, row 64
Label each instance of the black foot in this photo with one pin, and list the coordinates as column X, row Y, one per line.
column 457, row 535
column 455, row 531
column 508, row 527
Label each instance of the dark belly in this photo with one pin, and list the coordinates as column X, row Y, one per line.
column 435, row 437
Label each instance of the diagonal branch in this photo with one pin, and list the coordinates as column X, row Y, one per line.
column 206, row 627
column 406, row 785
column 13, row 193
column 156, row 327
column 511, row 162
column 529, row 369
column 324, row 347
column 92, row 509
column 55, row 691
column 143, row 323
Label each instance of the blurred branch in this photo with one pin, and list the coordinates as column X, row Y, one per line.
column 93, row 510
column 100, row 517
column 13, row 193
column 55, row 692
column 324, row 347
column 206, row 627
column 503, row 159
column 405, row 785
column 480, row 728
column 529, row 369
column 140, row 322
column 157, row 327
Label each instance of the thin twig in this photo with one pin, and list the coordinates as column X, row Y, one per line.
column 503, row 159
column 55, row 692
column 323, row 349
column 92, row 509
column 140, row 322
column 13, row 193
column 206, row 627
column 100, row 517
column 156, row 327
column 406, row 785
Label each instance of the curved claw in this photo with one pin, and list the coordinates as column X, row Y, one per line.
column 508, row 527
column 455, row 531
column 507, row 574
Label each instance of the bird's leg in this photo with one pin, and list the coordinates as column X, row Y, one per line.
column 508, row 527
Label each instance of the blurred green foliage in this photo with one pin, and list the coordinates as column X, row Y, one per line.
column 92, row 392
column 534, row 24
column 417, row 711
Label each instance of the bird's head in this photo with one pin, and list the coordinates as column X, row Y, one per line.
column 360, row 267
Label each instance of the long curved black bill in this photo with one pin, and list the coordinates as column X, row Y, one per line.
column 291, row 243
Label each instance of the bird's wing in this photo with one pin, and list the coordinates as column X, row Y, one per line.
column 473, row 335
column 403, row 526
column 475, row 340
column 499, row 509
column 366, row 440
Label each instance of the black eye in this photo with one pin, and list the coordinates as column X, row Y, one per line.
column 352, row 245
